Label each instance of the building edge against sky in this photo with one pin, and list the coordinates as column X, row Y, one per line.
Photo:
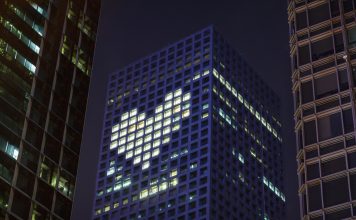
column 322, row 50
column 46, row 50
column 185, row 138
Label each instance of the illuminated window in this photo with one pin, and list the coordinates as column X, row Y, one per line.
column 158, row 117
column 186, row 97
column 123, row 132
column 148, row 129
column 122, row 141
column 155, row 152
column 166, row 130
column 132, row 128
column 132, row 120
column 148, row 138
column 137, row 160
column 178, row 92
column 156, row 143
column 166, row 139
column 205, row 115
column 129, row 146
column 177, row 101
column 107, row 208
column 173, row 173
column 147, row 156
column 205, row 106
column 117, row 186
column 157, row 134
column 121, row 150
column 186, row 113
column 168, row 105
column 167, row 113
column 157, row 125
column 141, row 116
column 139, row 142
column 147, row 147
column 131, row 137
column 153, row 190
column 146, row 165
column 129, row 155
column 143, row 194
column 139, row 133
column 176, row 109
column 115, row 128
column 124, row 116
column 173, row 182
column 186, row 106
column 206, row 72
column 163, row 186
column 149, row 121
column 140, row 125
column 133, row 112
column 113, row 145
column 123, row 124
column 159, row 109
column 169, row 96
column 167, row 121
column 110, row 171
column 176, row 118
column 176, row 127
column 234, row 92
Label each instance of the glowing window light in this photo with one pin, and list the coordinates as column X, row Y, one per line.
column 186, row 106
column 130, row 146
column 173, row 182
column 158, row 117
column 110, row 171
column 173, row 173
column 124, row 116
column 128, row 155
column 167, row 121
column 263, row 120
column 206, row 72
column 133, row 112
column 176, row 127
column 157, row 134
column 145, row 165
column 123, row 132
column 132, row 120
column 149, row 129
column 176, row 109
column 186, row 113
column 147, row 147
column 240, row 98
column 166, row 139
column 121, row 150
column 115, row 128
column 141, row 125
column 141, row 116
column 147, row 156
column 153, row 190
column 157, row 125
column 205, row 106
column 163, row 186
column 186, row 97
column 176, row 118
column 178, row 92
column 138, row 151
column 143, row 194
column 131, row 137
column 155, row 152
column 122, row 141
column 148, row 138
column 166, row 130
column 117, row 186
column 156, row 143
column 205, row 115
column 169, row 96
column 132, row 128
column 113, row 145
column 177, row 101
column 149, row 121
column 241, row 158
column 139, row 142
column 167, row 113
column 107, row 208
column 137, row 160
column 196, row 76
column 168, row 105
column 124, row 124
column 139, row 133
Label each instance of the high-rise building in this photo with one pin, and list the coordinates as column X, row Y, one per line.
column 190, row 132
column 46, row 50
column 323, row 55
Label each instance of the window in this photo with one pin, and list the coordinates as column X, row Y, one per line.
column 335, row 192
column 322, row 48
column 307, row 92
column 348, row 120
column 329, row 126
column 313, row 171
column 309, row 132
column 318, row 14
column 304, row 55
column 343, row 81
column 301, row 19
column 325, row 86
column 351, row 36
column 314, row 197
column 333, row 166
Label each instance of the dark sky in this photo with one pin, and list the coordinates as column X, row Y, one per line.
column 131, row 29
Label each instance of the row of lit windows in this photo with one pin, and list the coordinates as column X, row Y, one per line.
column 274, row 189
column 9, row 149
column 243, row 101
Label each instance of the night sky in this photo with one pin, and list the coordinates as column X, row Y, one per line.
column 131, row 29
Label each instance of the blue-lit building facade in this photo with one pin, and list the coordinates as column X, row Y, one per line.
column 190, row 132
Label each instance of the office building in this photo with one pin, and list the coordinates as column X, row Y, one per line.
column 46, row 50
column 323, row 54
column 190, row 132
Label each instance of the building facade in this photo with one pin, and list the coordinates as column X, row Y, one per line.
column 46, row 50
column 323, row 54
column 190, row 132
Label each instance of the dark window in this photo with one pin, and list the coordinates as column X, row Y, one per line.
column 335, row 192
column 313, row 171
column 339, row 42
column 304, row 55
column 347, row 6
column 351, row 36
column 322, row 48
column 301, row 20
column 348, row 120
column 307, row 92
column 333, row 166
column 325, row 86
column 353, row 186
column 352, row 160
column 338, row 215
column 314, row 197
column 329, row 126
column 309, row 132
column 343, row 81
column 334, row 6
column 318, row 14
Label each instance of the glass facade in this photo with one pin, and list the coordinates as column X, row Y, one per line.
column 46, row 50
column 323, row 55
column 190, row 132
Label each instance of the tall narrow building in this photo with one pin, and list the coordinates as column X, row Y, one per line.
column 190, row 132
column 46, row 50
column 323, row 54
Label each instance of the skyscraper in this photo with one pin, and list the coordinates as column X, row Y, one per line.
column 190, row 132
column 46, row 50
column 322, row 41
